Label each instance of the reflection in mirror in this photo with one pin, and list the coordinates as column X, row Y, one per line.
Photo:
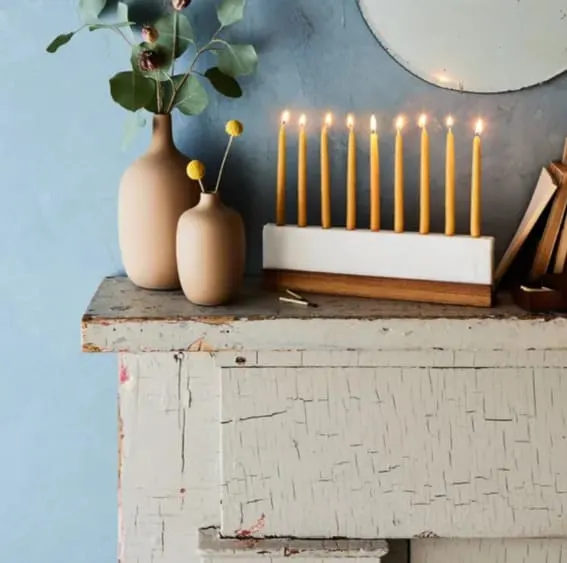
column 473, row 46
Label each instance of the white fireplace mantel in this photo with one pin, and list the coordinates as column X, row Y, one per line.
column 264, row 429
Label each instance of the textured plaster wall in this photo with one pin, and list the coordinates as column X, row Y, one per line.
column 60, row 164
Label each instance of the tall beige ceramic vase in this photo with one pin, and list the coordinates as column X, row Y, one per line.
column 211, row 250
column 154, row 193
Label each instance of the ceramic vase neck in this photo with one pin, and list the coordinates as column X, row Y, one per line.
column 162, row 135
column 209, row 200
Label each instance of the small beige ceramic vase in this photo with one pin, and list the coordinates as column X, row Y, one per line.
column 211, row 250
column 154, row 192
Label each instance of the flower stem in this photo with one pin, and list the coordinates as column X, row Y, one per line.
column 175, row 24
column 223, row 163
column 121, row 33
column 158, row 93
column 186, row 76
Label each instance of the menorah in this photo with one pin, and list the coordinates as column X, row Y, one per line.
column 405, row 266
column 427, row 267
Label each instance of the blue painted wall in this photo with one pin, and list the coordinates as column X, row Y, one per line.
column 60, row 164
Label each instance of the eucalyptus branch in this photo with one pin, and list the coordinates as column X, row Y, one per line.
column 121, row 33
column 223, row 163
column 217, row 40
column 216, row 33
column 186, row 76
column 158, row 94
column 175, row 21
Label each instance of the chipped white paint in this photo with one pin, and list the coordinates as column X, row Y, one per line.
column 489, row 551
column 123, row 318
column 384, row 254
column 458, row 412
column 214, row 548
column 395, row 452
column 480, row 46
column 169, row 456
column 329, row 334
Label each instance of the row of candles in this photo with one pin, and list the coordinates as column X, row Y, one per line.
column 351, row 181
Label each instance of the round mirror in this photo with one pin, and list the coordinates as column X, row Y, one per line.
column 473, row 45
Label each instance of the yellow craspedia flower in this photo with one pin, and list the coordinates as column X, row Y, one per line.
column 234, row 128
column 196, row 170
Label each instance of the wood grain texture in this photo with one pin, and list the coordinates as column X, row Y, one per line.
column 395, row 451
column 489, row 551
column 561, row 252
column 550, row 234
column 446, row 293
column 543, row 193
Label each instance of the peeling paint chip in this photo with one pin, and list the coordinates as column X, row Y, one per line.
column 258, row 525
column 427, row 534
column 200, row 346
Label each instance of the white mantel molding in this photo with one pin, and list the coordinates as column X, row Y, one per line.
column 124, row 318
column 359, row 419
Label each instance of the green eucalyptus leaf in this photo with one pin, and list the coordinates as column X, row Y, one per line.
column 230, row 11
column 224, row 84
column 237, row 60
column 166, row 59
column 95, row 26
column 122, row 11
column 192, row 98
column 91, row 9
column 135, row 122
column 131, row 90
column 122, row 15
column 59, row 41
column 175, row 26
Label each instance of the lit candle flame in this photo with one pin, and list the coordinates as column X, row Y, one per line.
column 400, row 122
column 328, row 120
column 373, row 123
column 479, row 127
column 450, row 122
column 422, row 120
column 285, row 117
column 350, row 121
column 302, row 120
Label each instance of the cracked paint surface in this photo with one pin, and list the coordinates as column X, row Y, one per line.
column 547, row 550
column 372, row 444
column 395, row 451
column 169, row 456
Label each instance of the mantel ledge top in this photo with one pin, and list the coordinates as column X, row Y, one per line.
column 118, row 301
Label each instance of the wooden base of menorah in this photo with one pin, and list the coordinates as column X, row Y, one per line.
column 447, row 293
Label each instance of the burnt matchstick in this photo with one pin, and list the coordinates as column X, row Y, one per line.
column 296, row 299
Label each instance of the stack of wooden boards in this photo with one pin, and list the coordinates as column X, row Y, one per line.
column 540, row 288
